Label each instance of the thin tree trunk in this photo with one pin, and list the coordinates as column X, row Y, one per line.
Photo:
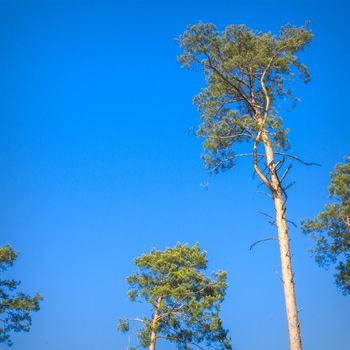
column 287, row 275
column 286, row 263
column 152, row 345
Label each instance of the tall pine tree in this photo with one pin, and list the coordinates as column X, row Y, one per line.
column 248, row 76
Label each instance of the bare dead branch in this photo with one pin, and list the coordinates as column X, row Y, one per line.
column 266, row 214
column 296, row 158
column 289, row 186
column 291, row 222
column 263, row 240
column 286, row 172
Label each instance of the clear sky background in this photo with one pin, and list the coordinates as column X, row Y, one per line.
column 97, row 166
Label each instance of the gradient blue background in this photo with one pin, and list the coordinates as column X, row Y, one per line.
column 97, row 166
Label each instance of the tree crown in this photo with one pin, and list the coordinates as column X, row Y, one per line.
column 331, row 227
column 15, row 308
column 185, row 302
column 247, row 73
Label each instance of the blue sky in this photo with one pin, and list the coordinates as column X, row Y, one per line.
column 97, row 166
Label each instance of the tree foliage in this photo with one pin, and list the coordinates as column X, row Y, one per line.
column 331, row 227
column 15, row 307
column 247, row 73
column 185, row 302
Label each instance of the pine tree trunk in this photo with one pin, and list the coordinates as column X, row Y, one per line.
column 287, row 275
column 286, row 263
column 152, row 345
